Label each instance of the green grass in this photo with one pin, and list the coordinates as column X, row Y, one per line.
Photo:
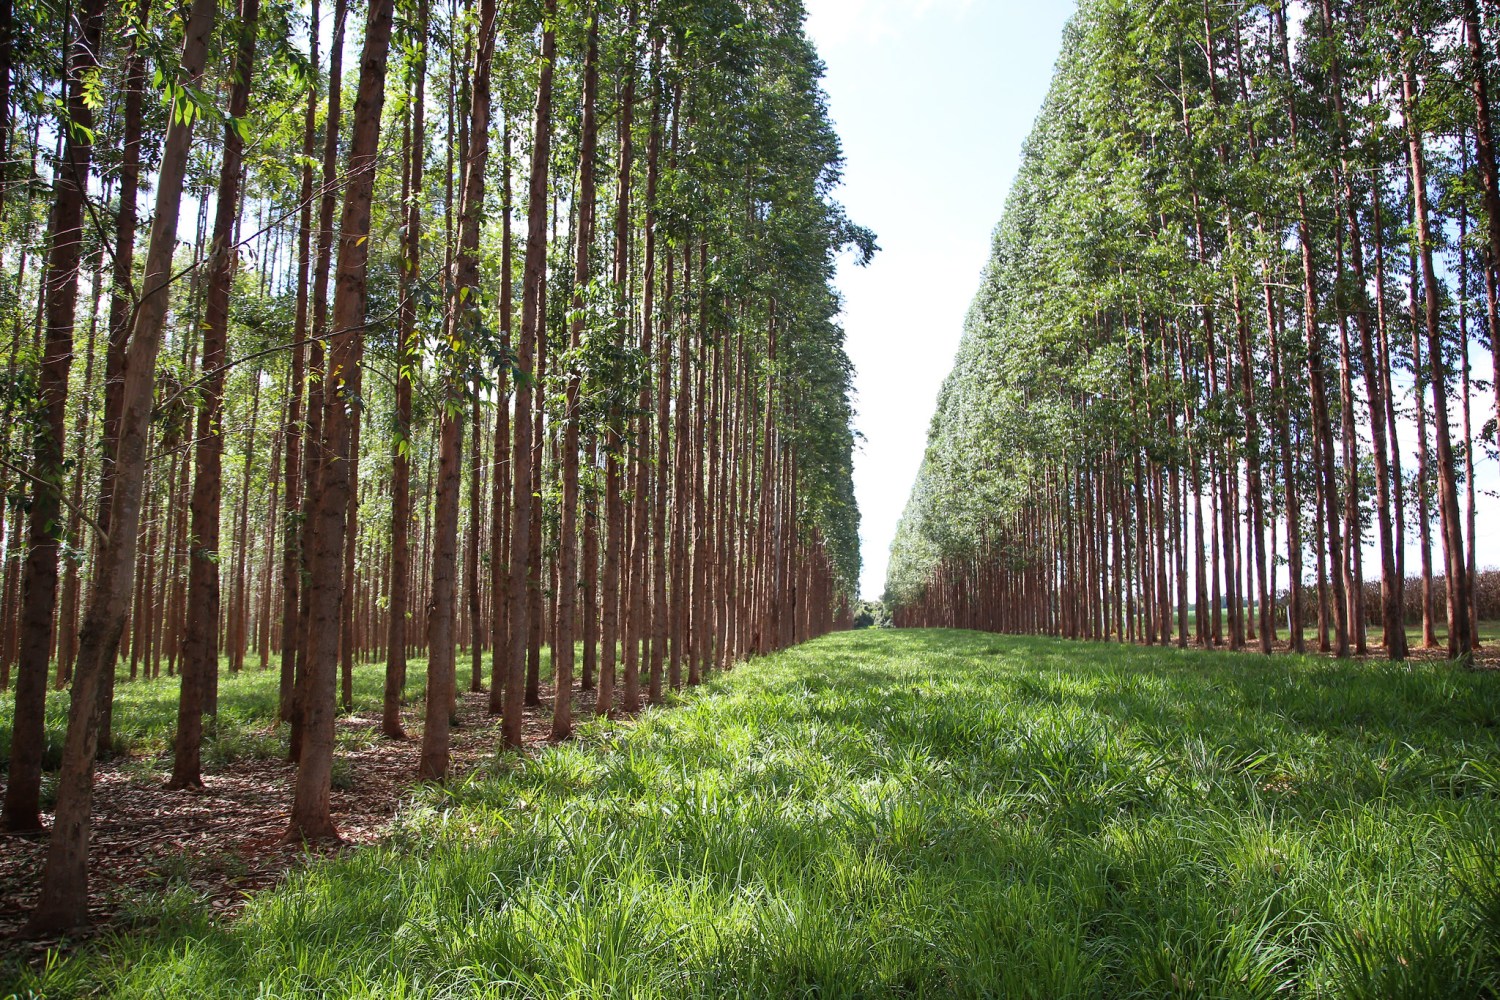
column 918, row 814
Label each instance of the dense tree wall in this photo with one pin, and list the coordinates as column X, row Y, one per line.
column 1233, row 330
column 456, row 326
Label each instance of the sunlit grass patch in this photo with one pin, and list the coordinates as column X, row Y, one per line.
column 935, row 814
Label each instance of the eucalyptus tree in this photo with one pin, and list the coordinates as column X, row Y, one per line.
column 59, row 290
column 408, row 354
column 567, row 563
column 533, row 275
column 464, row 315
column 1098, row 451
column 311, row 818
column 200, row 660
column 64, row 890
column 671, row 424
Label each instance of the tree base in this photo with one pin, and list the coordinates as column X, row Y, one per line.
column 52, row 921
column 27, row 830
column 303, row 834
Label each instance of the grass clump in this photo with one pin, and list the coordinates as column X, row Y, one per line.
column 920, row 814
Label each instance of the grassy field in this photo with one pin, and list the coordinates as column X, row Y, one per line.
column 918, row 814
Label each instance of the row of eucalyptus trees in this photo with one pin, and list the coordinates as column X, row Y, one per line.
column 435, row 329
column 1231, row 332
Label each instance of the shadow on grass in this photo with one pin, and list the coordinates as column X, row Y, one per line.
column 894, row 813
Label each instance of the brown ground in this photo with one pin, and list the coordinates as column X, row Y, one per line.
column 223, row 841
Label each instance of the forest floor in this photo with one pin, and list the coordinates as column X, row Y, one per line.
column 1486, row 656
column 218, row 844
column 908, row 813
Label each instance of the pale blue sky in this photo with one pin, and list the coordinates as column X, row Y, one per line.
column 933, row 99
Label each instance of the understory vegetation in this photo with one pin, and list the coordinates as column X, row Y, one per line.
column 146, row 718
column 917, row 813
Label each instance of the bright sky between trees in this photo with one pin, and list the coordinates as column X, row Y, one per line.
column 933, row 100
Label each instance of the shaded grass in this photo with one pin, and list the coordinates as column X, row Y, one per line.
column 145, row 714
column 919, row 814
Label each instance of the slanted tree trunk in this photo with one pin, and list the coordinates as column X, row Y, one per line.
column 121, row 314
column 21, row 811
column 64, row 895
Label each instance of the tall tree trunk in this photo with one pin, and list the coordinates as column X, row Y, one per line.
column 465, row 313
column 21, row 811
column 317, row 368
column 1489, row 173
column 699, row 641
column 500, row 592
column 613, row 583
column 240, row 609
column 1460, row 640
column 1317, row 386
column 200, row 653
column 1383, row 368
column 351, row 533
column 1391, row 584
column 291, row 582
column 647, row 500
column 72, row 568
column 121, row 314
column 1471, row 567
column 567, row 532
column 533, row 276
column 407, row 360
column 310, row 817
column 64, row 894
column 539, row 572
column 476, row 531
